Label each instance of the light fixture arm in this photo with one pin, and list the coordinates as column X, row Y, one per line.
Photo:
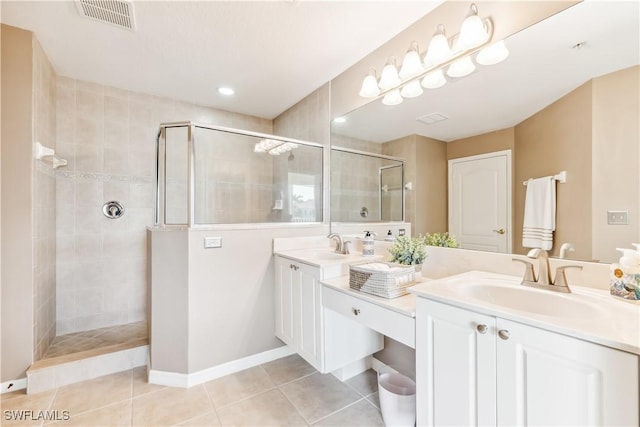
column 456, row 56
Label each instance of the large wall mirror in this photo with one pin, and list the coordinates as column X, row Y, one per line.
column 566, row 99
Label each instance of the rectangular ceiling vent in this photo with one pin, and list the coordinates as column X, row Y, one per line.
column 114, row 12
column 432, row 118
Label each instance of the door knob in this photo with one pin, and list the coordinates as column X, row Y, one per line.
column 500, row 231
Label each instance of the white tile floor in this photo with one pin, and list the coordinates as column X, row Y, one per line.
column 285, row 392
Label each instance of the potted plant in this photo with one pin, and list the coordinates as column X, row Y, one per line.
column 444, row 240
column 408, row 251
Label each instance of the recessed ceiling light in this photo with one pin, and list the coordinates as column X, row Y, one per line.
column 227, row 91
column 340, row 120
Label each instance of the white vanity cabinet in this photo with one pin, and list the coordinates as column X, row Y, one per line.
column 476, row 369
column 326, row 342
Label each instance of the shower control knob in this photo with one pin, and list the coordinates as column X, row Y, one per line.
column 113, row 210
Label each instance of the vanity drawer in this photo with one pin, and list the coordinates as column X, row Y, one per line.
column 383, row 320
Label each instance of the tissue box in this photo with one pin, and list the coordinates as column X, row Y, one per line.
column 624, row 282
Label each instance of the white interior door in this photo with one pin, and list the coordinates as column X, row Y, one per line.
column 480, row 201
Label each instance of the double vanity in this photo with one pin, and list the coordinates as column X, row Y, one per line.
column 488, row 350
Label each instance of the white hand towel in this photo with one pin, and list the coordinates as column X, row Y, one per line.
column 539, row 213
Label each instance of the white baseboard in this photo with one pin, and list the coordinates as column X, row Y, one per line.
column 9, row 386
column 174, row 379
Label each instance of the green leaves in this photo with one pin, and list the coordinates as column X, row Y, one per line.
column 440, row 239
column 408, row 250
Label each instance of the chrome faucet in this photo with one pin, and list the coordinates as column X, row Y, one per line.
column 342, row 246
column 559, row 284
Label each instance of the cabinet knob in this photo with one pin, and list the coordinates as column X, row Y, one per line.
column 481, row 328
column 293, row 266
column 504, row 334
column 356, row 311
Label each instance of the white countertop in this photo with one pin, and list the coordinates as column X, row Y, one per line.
column 614, row 323
column 405, row 305
column 321, row 257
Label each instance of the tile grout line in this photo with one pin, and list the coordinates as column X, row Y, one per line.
column 213, row 405
column 339, row 410
column 293, row 404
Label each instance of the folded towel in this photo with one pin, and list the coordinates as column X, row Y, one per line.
column 539, row 213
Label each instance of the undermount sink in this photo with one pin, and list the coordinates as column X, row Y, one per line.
column 329, row 255
column 536, row 301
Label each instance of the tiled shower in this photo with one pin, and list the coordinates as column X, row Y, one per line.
column 90, row 271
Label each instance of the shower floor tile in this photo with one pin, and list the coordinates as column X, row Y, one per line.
column 77, row 342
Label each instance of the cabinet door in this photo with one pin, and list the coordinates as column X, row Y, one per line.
column 284, row 299
column 455, row 366
column 545, row 378
column 309, row 323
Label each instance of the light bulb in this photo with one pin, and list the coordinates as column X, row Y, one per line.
column 411, row 89
column 392, row 98
column 472, row 33
column 434, row 80
column 462, row 67
column 493, row 54
column 370, row 87
column 439, row 50
column 411, row 65
column 389, row 77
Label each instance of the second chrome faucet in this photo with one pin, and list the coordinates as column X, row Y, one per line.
column 543, row 280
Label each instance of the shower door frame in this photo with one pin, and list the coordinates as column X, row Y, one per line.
column 161, row 165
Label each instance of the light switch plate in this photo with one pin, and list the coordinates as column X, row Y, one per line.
column 618, row 217
column 212, row 242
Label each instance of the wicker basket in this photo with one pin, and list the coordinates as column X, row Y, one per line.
column 383, row 283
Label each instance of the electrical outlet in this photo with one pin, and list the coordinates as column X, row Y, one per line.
column 618, row 217
column 212, row 242
column 401, row 232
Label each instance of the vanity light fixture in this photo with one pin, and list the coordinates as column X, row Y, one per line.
column 473, row 32
column 412, row 64
column 273, row 147
column 370, row 87
column 493, row 54
column 462, row 67
column 389, row 77
column 392, row 98
column 474, row 38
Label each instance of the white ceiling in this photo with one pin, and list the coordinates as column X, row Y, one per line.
column 541, row 68
column 274, row 53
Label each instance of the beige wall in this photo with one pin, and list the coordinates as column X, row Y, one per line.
column 431, row 186
column 489, row 142
column 616, row 168
column 426, row 168
column 558, row 138
column 17, row 179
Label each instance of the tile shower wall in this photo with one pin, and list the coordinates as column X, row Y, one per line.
column 44, row 205
column 108, row 137
column 357, row 178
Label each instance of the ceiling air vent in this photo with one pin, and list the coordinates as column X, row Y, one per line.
column 114, row 12
column 432, row 118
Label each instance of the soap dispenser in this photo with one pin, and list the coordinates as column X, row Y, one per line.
column 389, row 237
column 367, row 244
column 625, row 276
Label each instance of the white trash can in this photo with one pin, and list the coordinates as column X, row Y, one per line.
column 397, row 394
